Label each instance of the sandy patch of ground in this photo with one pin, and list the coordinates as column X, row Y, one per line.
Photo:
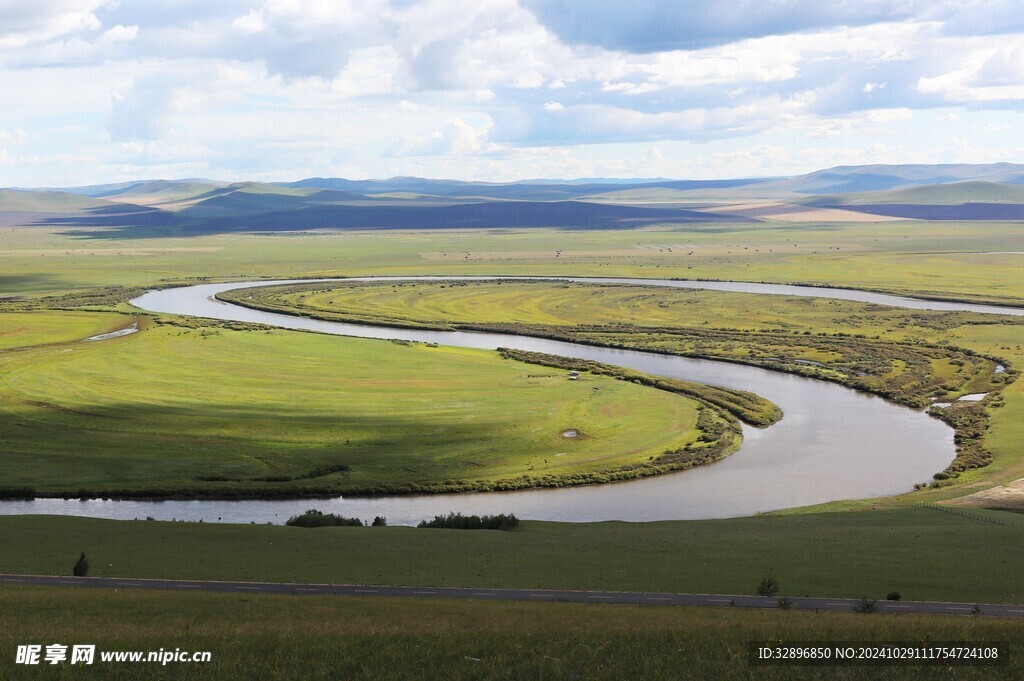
column 127, row 331
column 1009, row 496
column 152, row 200
column 787, row 212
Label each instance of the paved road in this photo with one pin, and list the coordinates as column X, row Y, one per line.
column 620, row 597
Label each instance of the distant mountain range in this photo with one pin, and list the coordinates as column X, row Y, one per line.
column 202, row 206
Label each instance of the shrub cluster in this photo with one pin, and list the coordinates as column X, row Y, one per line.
column 17, row 493
column 315, row 518
column 970, row 421
column 458, row 521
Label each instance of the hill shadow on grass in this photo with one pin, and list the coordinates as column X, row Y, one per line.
column 138, row 223
column 12, row 286
column 216, row 449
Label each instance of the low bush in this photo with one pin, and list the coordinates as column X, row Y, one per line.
column 315, row 518
column 457, row 521
column 769, row 586
column 865, row 605
column 81, row 568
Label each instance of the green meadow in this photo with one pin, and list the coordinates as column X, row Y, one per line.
column 919, row 552
column 28, row 329
column 925, row 258
column 178, row 410
column 402, row 639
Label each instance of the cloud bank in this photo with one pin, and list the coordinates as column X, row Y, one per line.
column 500, row 89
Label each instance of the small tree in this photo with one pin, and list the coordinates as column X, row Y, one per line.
column 769, row 586
column 81, row 568
column 380, row 521
column 865, row 605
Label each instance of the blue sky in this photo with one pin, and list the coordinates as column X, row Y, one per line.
column 105, row 90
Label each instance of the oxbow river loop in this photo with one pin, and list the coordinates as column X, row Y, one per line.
column 833, row 443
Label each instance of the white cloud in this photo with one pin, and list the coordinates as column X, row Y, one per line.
column 369, row 71
column 143, row 109
column 250, row 23
column 276, row 86
column 456, row 138
column 887, row 115
column 592, row 123
column 119, row 34
column 22, row 23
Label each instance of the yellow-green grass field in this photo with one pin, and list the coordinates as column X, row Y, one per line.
column 402, row 639
column 578, row 304
column 28, row 329
column 183, row 409
column 965, row 260
column 923, row 553
column 908, row 355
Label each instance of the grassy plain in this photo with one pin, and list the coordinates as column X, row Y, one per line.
column 28, row 329
column 825, row 554
column 259, row 636
column 178, row 409
column 906, row 355
column 923, row 258
column 960, row 260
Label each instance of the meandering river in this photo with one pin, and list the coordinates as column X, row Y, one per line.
column 833, row 443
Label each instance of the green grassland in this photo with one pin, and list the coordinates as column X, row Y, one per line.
column 28, row 329
column 959, row 260
column 919, row 552
column 184, row 408
column 904, row 355
column 278, row 637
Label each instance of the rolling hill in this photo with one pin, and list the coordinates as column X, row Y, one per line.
column 20, row 201
column 951, row 194
column 199, row 206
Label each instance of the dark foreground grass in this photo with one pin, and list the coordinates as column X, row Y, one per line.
column 288, row 637
column 923, row 553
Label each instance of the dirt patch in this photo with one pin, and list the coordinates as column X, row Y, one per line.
column 127, row 331
column 1008, row 497
column 787, row 212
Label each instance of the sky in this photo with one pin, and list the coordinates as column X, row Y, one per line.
column 97, row 91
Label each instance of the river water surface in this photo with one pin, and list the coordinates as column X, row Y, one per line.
column 833, row 443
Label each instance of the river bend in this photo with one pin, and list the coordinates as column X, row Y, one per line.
column 833, row 442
